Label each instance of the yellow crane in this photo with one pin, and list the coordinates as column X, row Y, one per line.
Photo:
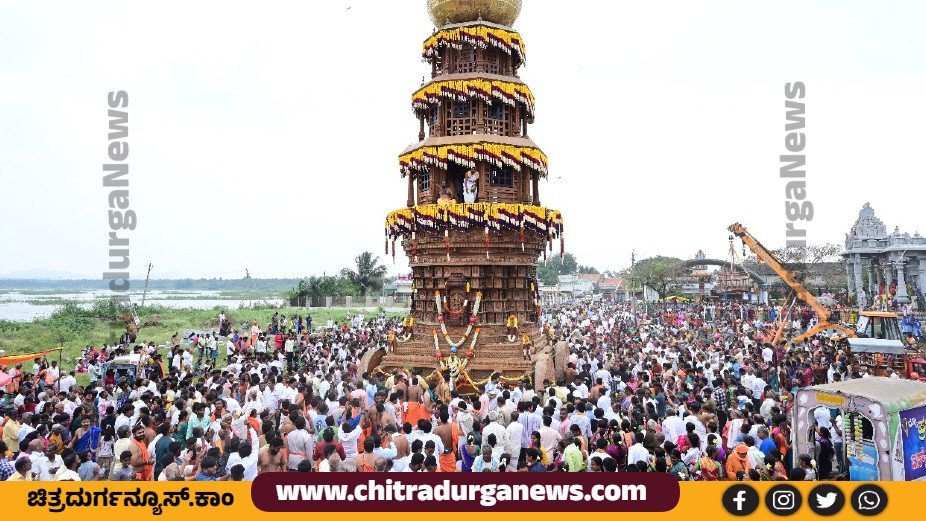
column 823, row 314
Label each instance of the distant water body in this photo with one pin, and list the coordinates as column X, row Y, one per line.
column 24, row 307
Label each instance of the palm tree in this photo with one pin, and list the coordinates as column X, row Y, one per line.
column 369, row 274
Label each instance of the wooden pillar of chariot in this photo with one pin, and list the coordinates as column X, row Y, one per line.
column 473, row 227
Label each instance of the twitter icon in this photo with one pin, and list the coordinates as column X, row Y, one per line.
column 826, row 500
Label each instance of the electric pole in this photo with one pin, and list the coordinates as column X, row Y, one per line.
column 147, row 278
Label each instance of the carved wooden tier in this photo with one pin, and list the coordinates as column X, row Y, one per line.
column 507, row 278
column 500, row 355
column 502, row 284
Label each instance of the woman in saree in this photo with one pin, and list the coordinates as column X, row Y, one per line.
column 707, row 468
column 544, row 454
column 470, row 451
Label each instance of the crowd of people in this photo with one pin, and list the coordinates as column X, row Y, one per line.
column 692, row 390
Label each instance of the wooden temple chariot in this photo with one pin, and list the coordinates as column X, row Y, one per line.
column 473, row 226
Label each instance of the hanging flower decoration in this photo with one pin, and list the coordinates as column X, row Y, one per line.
column 439, row 219
column 469, row 328
column 489, row 91
column 454, row 363
column 467, row 155
column 481, row 36
column 472, row 345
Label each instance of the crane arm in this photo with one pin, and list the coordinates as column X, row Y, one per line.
column 766, row 256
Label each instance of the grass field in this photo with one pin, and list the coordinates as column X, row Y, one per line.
column 75, row 328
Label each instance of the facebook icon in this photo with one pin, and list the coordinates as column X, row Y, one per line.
column 740, row 500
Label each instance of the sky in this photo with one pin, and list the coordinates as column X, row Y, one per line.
column 265, row 136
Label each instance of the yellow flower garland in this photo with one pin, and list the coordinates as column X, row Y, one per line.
column 475, row 384
column 467, row 155
column 487, row 90
column 478, row 35
column 505, row 379
column 401, row 221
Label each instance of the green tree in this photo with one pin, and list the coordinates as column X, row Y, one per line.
column 568, row 265
column 369, row 273
column 588, row 270
column 548, row 271
column 547, row 274
column 299, row 295
column 312, row 290
column 658, row 273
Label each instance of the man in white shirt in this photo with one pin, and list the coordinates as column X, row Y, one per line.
column 758, row 388
column 348, row 439
column 299, row 444
column 68, row 472
column 747, row 378
column 637, row 451
column 605, row 376
column 46, row 464
column 549, row 437
column 269, row 397
column 324, row 386
column 756, row 457
column 67, row 382
column 127, row 418
column 501, row 435
column 673, row 426
column 515, row 433
column 582, row 391
column 767, row 354
column 288, row 393
column 247, row 456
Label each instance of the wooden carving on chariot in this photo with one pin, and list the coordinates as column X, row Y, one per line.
column 456, row 301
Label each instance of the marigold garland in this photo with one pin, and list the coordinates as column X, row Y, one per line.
column 470, row 353
column 480, row 36
column 465, row 374
column 507, row 92
column 526, row 376
column 433, row 218
column 467, row 155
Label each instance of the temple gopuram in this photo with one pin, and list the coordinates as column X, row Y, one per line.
column 473, row 227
